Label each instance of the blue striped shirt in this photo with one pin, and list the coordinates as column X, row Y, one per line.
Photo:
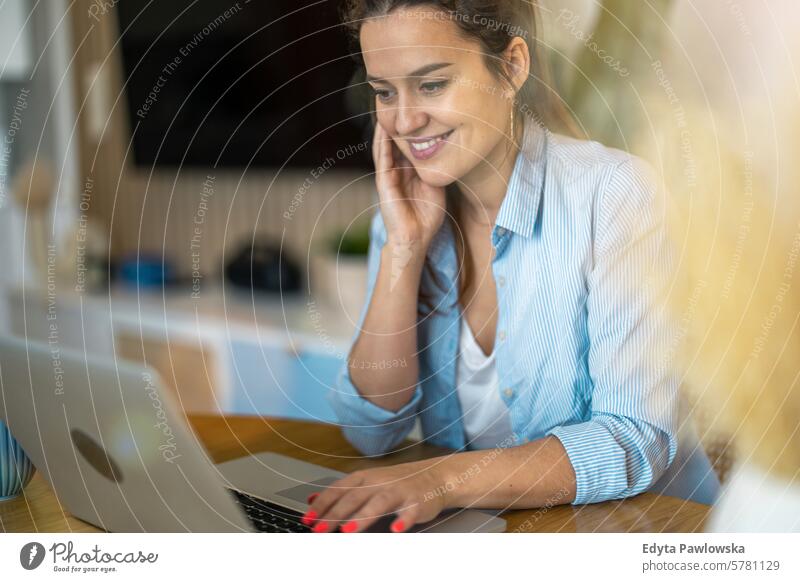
column 582, row 345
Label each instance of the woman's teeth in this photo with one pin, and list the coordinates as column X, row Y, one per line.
column 428, row 144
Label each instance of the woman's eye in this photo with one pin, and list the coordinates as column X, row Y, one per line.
column 383, row 94
column 432, row 86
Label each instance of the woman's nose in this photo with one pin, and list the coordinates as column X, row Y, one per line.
column 409, row 117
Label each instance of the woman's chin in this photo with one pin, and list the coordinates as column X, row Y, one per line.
column 435, row 177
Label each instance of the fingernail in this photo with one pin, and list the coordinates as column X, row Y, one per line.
column 312, row 497
column 349, row 527
column 398, row 526
column 321, row 527
column 310, row 517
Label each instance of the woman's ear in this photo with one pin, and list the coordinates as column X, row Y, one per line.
column 517, row 61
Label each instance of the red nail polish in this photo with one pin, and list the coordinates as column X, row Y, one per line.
column 349, row 527
column 321, row 527
column 310, row 517
column 398, row 526
column 312, row 497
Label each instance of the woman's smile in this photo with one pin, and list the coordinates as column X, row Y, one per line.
column 425, row 148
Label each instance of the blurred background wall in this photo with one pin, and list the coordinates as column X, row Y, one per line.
column 707, row 91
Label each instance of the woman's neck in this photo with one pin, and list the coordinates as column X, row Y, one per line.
column 484, row 188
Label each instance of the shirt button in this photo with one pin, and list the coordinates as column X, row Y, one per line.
column 509, row 392
column 501, row 281
column 501, row 231
column 502, row 335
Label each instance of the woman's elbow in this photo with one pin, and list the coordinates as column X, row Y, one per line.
column 369, row 444
column 650, row 461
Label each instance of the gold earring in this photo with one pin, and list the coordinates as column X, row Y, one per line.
column 513, row 129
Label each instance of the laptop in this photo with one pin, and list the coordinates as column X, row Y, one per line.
column 114, row 447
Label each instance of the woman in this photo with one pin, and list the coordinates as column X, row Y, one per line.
column 511, row 284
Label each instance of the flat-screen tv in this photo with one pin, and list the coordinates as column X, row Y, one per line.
column 264, row 83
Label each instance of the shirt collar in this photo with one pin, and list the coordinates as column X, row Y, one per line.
column 442, row 251
column 520, row 206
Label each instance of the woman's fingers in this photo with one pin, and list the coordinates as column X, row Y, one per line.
column 382, row 502
column 406, row 518
column 376, row 144
column 382, row 162
column 360, row 507
column 399, row 160
column 327, row 498
column 338, row 515
column 357, row 501
column 385, row 170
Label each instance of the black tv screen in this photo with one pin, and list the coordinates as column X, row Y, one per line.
column 221, row 83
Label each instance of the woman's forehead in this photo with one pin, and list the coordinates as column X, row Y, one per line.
column 399, row 43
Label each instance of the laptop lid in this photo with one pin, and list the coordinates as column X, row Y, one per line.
column 111, row 442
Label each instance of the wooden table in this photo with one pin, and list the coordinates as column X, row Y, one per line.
column 225, row 438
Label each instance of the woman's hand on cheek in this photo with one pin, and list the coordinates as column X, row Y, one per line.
column 412, row 210
column 413, row 491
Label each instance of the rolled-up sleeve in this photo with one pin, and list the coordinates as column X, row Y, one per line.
column 368, row 427
column 631, row 437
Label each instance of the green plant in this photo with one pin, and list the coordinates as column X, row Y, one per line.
column 353, row 241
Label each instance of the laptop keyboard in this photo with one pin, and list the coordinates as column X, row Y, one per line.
column 269, row 517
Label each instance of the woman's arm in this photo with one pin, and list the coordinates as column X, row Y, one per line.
column 412, row 213
column 537, row 474
column 377, row 392
column 383, row 362
column 630, row 438
column 368, row 421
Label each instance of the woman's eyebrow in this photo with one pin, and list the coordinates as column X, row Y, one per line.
column 417, row 73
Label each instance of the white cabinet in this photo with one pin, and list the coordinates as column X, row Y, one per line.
column 222, row 353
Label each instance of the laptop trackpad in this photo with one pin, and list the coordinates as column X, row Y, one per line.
column 301, row 492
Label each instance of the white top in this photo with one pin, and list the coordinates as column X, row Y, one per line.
column 484, row 414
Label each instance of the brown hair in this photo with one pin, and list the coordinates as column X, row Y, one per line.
column 493, row 24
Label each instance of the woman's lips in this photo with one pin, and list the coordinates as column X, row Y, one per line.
column 426, row 148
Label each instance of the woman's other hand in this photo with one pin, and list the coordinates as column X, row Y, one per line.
column 415, row 492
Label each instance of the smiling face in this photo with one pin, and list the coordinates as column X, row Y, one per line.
column 434, row 95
